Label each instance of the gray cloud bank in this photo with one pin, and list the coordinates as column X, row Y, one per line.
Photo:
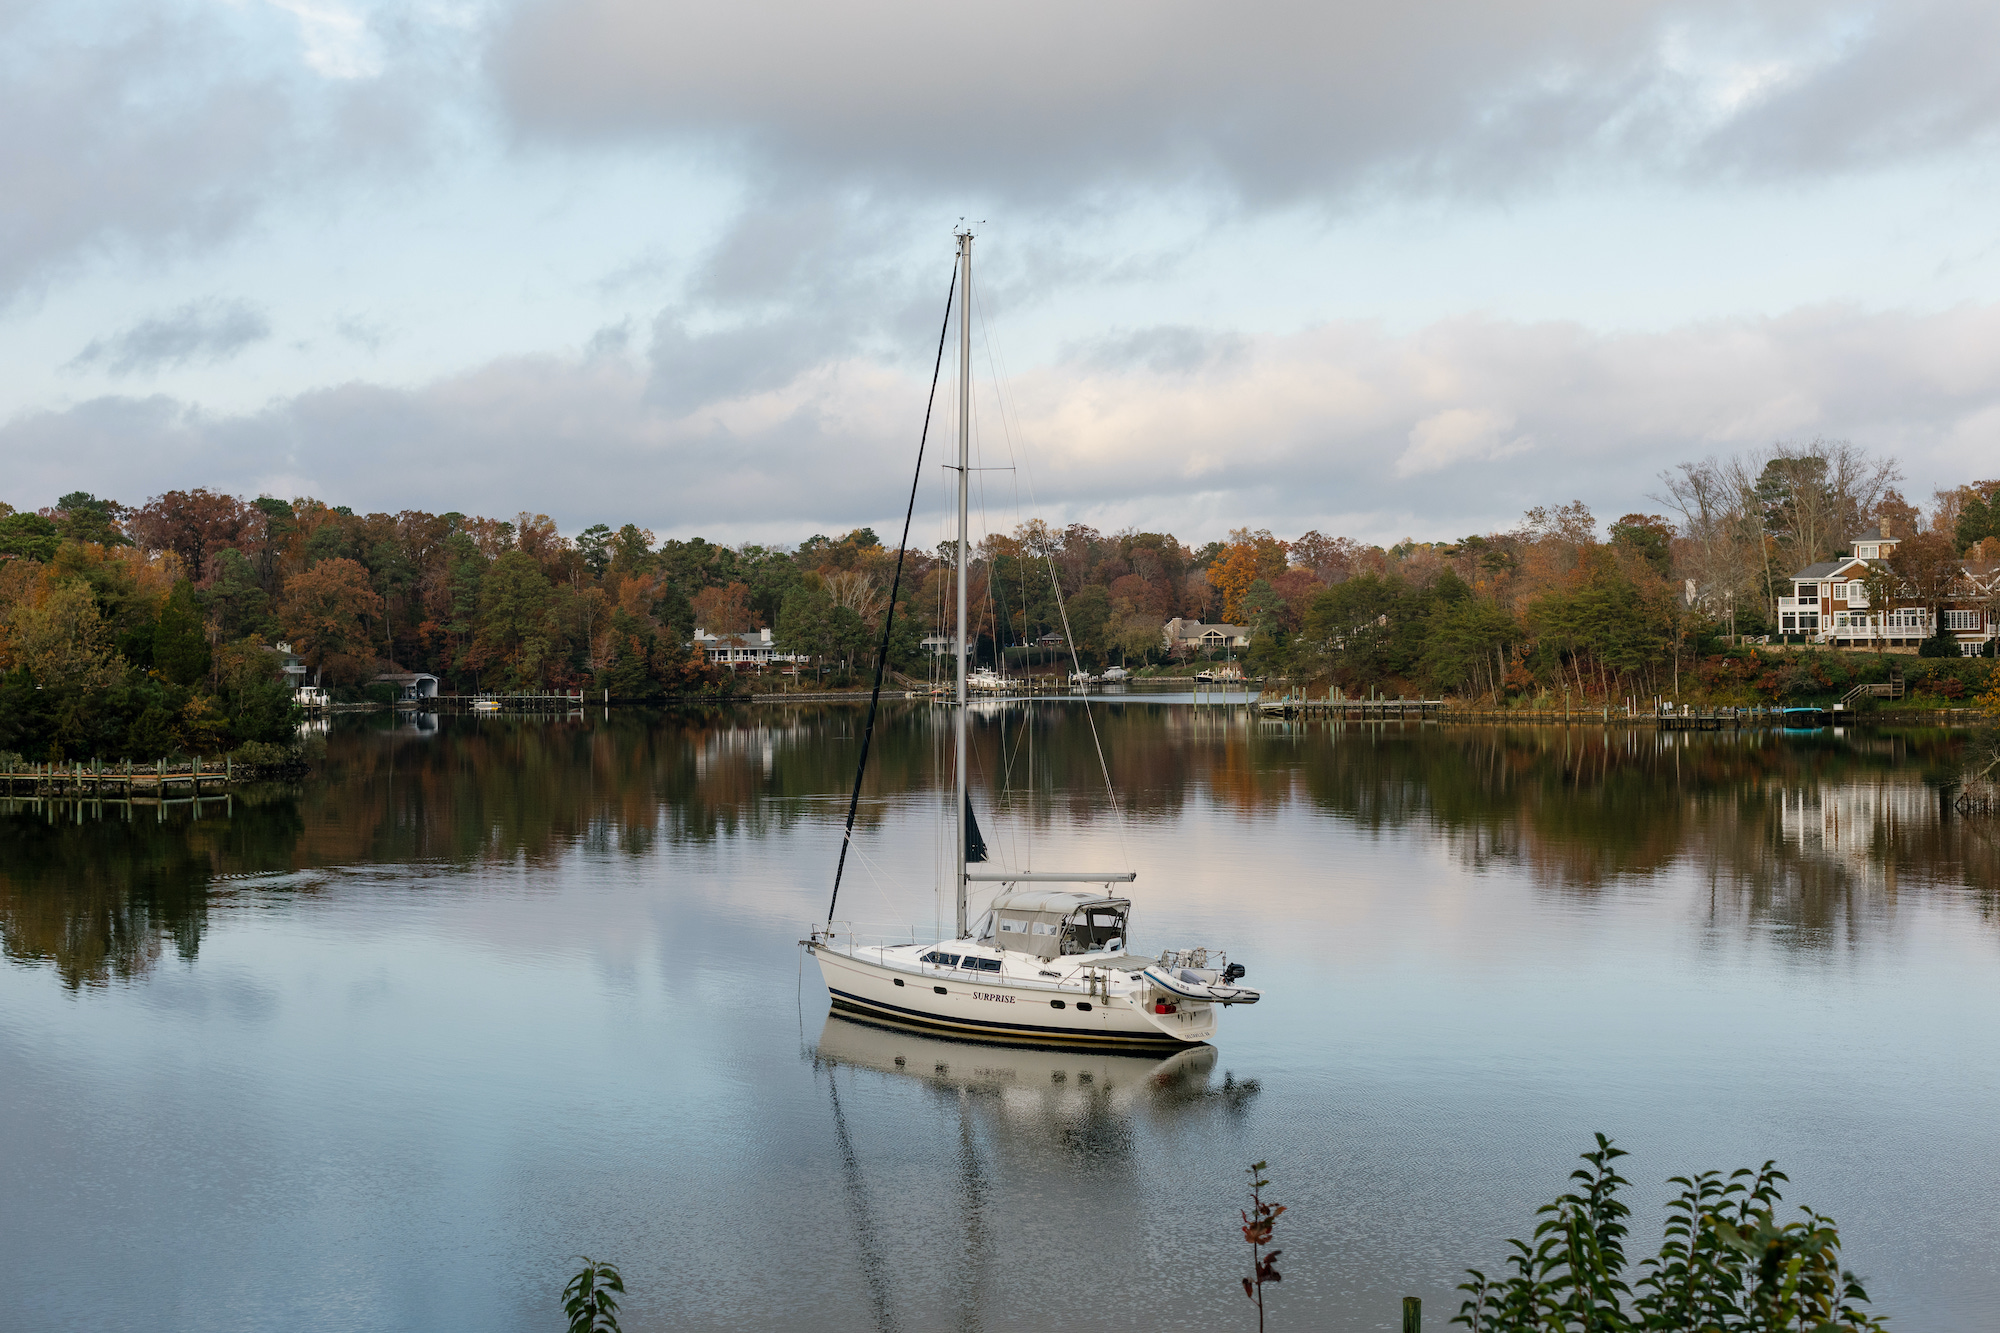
column 1274, row 100
column 1453, row 429
column 164, row 129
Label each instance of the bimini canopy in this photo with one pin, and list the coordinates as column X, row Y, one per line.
column 1054, row 922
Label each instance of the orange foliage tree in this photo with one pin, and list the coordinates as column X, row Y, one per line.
column 192, row 524
column 326, row 613
column 725, row 610
column 1251, row 556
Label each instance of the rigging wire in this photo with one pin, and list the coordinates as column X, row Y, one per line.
column 994, row 363
column 889, row 615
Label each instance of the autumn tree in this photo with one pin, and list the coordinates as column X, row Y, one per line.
column 326, row 615
column 66, row 648
column 192, row 524
column 725, row 610
column 1927, row 570
column 1249, row 557
column 1331, row 559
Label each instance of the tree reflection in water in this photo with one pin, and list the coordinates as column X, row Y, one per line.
column 1793, row 832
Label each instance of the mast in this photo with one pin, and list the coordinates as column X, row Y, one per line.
column 961, row 804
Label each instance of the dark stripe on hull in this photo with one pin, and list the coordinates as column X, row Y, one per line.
column 1016, row 1033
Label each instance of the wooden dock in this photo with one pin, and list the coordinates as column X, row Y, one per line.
column 1358, row 709
column 47, row 787
column 1437, row 710
column 97, row 781
column 551, row 701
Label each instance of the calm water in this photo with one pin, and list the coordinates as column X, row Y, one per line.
column 385, row 1052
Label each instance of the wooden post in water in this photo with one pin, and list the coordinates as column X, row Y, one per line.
column 1413, row 1314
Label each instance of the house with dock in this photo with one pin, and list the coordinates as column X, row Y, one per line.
column 1829, row 604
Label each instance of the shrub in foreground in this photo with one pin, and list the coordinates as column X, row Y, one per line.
column 1726, row 1264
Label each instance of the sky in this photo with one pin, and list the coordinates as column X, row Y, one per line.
column 1383, row 271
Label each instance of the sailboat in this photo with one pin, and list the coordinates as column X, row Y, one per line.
column 1049, row 961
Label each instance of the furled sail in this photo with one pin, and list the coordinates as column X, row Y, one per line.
column 975, row 842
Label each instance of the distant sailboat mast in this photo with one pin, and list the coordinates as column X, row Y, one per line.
column 963, row 804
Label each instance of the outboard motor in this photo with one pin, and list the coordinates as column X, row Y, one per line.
column 1234, row 972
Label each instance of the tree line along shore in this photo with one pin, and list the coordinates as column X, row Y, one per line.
column 138, row 631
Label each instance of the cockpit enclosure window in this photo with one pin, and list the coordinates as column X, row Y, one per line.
column 1048, row 923
column 1093, row 929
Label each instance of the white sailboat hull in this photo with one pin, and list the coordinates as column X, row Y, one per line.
column 1108, row 1011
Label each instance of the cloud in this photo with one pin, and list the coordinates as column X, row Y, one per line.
column 163, row 129
column 201, row 331
column 1168, row 349
column 338, row 41
column 1452, row 429
column 1459, row 435
column 1269, row 102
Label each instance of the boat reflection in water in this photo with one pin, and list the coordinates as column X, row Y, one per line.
column 1062, row 1125
column 1035, row 1085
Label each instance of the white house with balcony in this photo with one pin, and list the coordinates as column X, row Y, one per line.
column 753, row 648
column 1829, row 604
column 289, row 663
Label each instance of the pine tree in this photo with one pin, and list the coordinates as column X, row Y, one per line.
column 180, row 640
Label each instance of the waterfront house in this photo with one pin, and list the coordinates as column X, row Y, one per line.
column 753, row 648
column 1829, row 604
column 939, row 645
column 1195, row 636
column 294, row 670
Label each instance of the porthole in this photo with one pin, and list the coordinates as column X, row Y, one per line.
column 1083, row 1005
column 1056, row 1004
column 940, row 990
column 899, row 981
